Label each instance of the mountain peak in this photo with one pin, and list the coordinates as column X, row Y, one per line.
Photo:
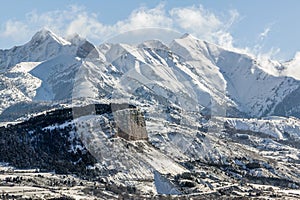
column 76, row 39
column 154, row 44
column 45, row 34
column 187, row 35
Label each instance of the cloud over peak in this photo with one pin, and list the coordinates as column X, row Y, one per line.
column 75, row 19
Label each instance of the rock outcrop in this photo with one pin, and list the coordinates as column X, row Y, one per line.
column 131, row 124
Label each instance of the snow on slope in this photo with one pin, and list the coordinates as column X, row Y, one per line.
column 132, row 160
column 236, row 75
column 43, row 45
column 24, row 67
column 159, row 70
column 278, row 127
column 171, row 85
column 190, row 73
column 57, row 76
column 291, row 68
column 43, row 69
column 18, row 85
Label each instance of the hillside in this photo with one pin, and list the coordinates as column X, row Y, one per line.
column 189, row 118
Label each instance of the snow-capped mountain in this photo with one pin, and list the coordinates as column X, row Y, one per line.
column 188, row 72
column 206, row 112
column 43, row 45
column 38, row 70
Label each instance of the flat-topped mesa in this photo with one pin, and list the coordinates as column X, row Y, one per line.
column 131, row 124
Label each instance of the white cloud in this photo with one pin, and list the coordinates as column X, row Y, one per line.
column 75, row 19
column 197, row 20
column 259, row 50
column 56, row 20
column 15, row 30
column 224, row 39
column 265, row 33
column 269, row 55
column 86, row 26
column 145, row 18
column 89, row 26
column 234, row 17
column 205, row 24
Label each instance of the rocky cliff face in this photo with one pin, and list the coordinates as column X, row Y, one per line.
column 131, row 124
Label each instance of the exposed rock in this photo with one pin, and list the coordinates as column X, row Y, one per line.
column 86, row 49
column 131, row 124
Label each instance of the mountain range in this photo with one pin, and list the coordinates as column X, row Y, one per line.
column 204, row 72
column 200, row 118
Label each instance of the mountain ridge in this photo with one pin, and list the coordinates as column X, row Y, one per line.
column 213, row 74
column 190, row 118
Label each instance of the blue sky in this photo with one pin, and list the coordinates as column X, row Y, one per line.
column 266, row 27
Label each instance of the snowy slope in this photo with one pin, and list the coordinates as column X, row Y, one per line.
column 278, row 127
column 189, row 73
column 43, row 45
column 238, row 76
column 43, row 69
column 57, row 76
column 184, row 91
column 290, row 68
